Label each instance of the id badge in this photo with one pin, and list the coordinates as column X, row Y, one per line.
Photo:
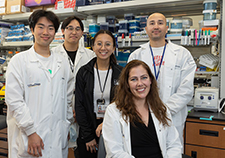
column 101, row 106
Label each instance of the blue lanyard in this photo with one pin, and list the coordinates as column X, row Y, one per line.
column 157, row 75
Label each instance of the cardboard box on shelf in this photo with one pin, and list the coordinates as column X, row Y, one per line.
column 16, row 6
column 32, row 3
column 2, row 10
column 2, row 3
column 62, row 4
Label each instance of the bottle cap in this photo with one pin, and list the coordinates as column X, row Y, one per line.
column 130, row 35
column 123, row 36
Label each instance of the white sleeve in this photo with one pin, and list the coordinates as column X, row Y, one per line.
column 184, row 92
column 112, row 135
column 173, row 143
column 133, row 55
column 14, row 95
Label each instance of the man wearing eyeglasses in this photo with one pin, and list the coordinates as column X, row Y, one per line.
column 72, row 29
column 73, row 49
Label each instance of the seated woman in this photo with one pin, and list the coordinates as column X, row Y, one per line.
column 95, row 83
column 138, row 124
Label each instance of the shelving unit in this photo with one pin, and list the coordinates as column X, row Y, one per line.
column 21, row 17
column 170, row 8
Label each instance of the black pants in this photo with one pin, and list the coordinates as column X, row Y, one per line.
column 81, row 146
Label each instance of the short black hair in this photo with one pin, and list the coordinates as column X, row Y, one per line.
column 36, row 15
column 69, row 19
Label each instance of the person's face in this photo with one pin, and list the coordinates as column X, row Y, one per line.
column 43, row 32
column 156, row 27
column 103, row 46
column 139, row 82
column 72, row 33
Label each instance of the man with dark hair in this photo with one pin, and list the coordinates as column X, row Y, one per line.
column 72, row 29
column 74, row 51
column 39, row 88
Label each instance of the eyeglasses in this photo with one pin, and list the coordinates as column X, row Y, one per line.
column 100, row 44
column 71, row 28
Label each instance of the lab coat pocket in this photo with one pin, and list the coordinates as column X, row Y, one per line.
column 64, row 133
column 22, row 144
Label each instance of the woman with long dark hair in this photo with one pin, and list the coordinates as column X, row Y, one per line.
column 95, row 83
column 138, row 124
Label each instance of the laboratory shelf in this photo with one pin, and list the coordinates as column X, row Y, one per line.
column 17, row 44
column 61, row 13
column 168, row 7
column 207, row 72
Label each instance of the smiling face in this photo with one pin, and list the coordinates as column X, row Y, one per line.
column 103, row 46
column 43, row 32
column 156, row 27
column 72, row 33
column 139, row 82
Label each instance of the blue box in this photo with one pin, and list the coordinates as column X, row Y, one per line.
column 210, row 5
column 129, row 16
column 94, row 28
column 124, row 25
column 111, row 19
column 134, row 29
column 134, row 23
column 112, row 28
column 104, row 26
column 82, row 3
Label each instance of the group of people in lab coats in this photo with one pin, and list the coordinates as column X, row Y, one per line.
column 140, row 109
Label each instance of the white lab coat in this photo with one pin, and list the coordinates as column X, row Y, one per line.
column 38, row 102
column 175, row 80
column 116, row 135
column 83, row 56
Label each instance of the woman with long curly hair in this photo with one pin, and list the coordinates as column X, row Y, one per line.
column 138, row 124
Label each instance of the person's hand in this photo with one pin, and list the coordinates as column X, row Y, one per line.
column 98, row 131
column 74, row 116
column 92, row 146
column 35, row 145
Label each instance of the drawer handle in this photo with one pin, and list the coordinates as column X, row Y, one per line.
column 208, row 133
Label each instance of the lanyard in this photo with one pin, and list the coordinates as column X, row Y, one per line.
column 102, row 90
column 157, row 75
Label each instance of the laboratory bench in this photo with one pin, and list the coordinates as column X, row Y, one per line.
column 204, row 135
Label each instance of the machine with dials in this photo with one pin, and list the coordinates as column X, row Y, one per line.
column 206, row 99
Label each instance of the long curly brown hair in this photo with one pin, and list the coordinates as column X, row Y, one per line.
column 123, row 96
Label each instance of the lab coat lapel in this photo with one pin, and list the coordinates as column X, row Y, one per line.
column 34, row 59
column 126, row 134
column 57, row 64
column 159, row 131
column 78, row 57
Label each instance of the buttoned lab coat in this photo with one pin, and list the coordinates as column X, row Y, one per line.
column 38, row 102
column 116, row 135
column 176, row 78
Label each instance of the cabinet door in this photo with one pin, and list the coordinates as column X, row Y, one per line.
column 3, row 143
column 202, row 134
column 203, row 152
